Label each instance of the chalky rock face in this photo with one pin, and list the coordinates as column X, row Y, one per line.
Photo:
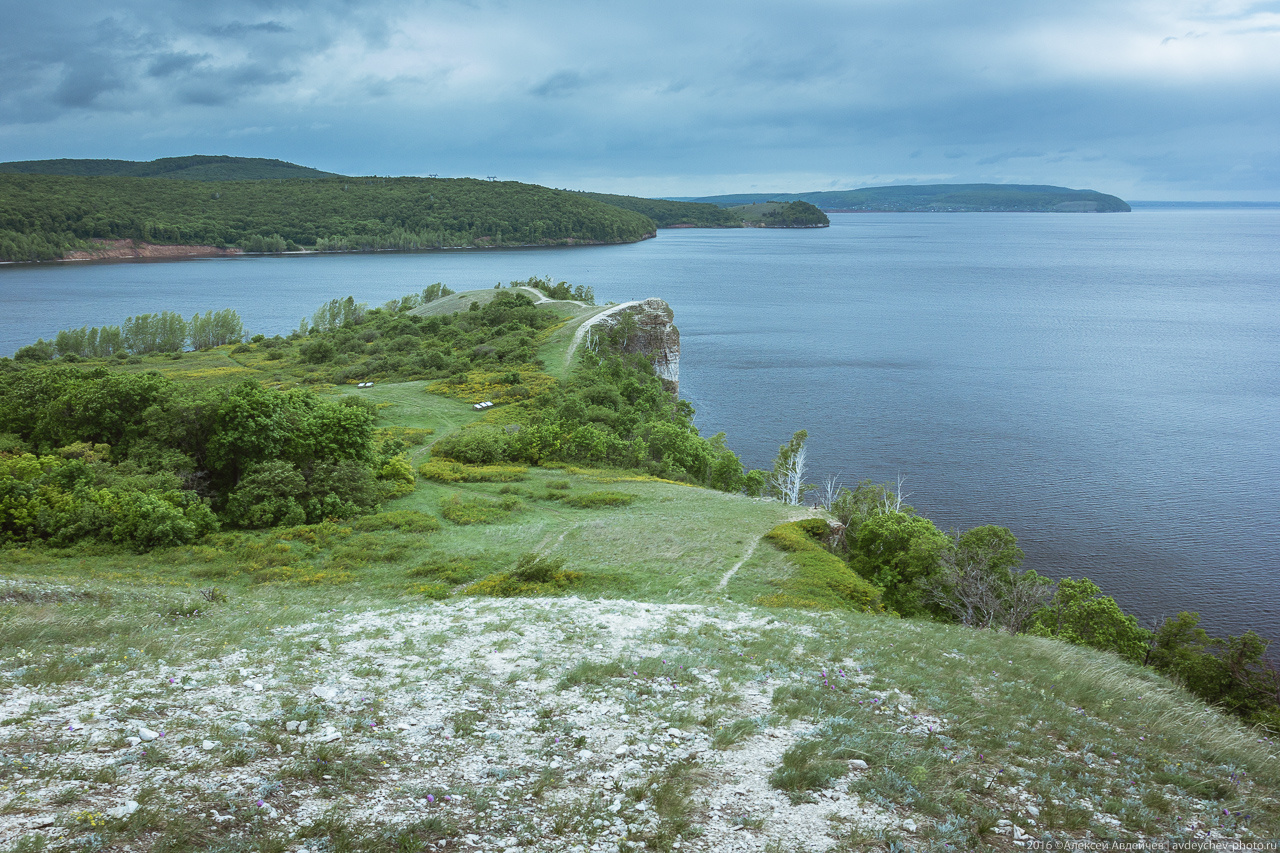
column 656, row 337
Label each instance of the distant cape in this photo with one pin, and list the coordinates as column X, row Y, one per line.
column 941, row 198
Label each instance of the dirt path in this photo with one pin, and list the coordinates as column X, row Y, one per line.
column 724, row 581
column 587, row 324
column 540, row 297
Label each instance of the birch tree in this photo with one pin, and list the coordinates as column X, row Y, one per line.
column 787, row 482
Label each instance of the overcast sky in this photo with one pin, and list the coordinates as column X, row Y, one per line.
column 1147, row 99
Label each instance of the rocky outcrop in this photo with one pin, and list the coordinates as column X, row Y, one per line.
column 646, row 326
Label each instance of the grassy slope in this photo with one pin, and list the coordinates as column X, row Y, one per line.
column 1096, row 746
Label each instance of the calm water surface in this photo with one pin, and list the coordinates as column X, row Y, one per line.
column 1108, row 387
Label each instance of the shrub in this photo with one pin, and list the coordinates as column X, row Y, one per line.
column 1079, row 613
column 821, row 579
column 532, row 575
column 899, row 553
column 595, row 500
column 403, row 520
column 477, row 445
column 455, row 570
column 397, row 475
column 445, row 471
column 431, row 591
column 146, row 521
column 478, row 510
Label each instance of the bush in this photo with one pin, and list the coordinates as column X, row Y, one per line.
column 821, row 579
column 431, row 591
column 456, row 570
column 1079, row 613
column 266, row 497
column 403, row 520
column 532, row 575
column 397, row 474
column 595, row 500
column 899, row 553
column 445, row 471
column 478, row 510
column 477, row 445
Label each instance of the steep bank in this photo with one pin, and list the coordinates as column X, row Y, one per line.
column 645, row 326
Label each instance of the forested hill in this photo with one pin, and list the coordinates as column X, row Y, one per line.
column 193, row 168
column 959, row 198
column 673, row 214
column 44, row 217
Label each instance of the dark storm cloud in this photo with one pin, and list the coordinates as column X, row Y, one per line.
column 559, row 85
column 667, row 97
column 168, row 64
column 237, row 29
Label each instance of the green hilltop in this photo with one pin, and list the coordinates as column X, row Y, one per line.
column 193, row 168
column 960, row 198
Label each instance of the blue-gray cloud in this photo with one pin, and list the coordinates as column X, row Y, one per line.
column 666, row 97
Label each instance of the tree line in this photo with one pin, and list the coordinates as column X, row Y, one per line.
column 975, row 578
column 140, row 335
column 44, row 217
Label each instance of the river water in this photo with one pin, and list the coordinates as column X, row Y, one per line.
column 1108, row 387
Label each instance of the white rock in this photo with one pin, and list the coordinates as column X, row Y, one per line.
column 302, row 727
column 330, row 737
column 134, row 741
column 620, row 751
column 147, row 734
column 1034, row 811
column 585, row 753
column 402, row 726
column 909, row 825
column 324, row 692
column 291, row 726
column 1018, row 834
column 1004, row 823
column 125, row 810
column 858, row 764
column 674, row 732
column 208, row 745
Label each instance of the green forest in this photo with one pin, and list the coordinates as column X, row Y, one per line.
column 43, row 217
column 781, row 214
column 672, row 214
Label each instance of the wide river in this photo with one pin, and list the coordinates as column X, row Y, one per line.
column 1106, row 386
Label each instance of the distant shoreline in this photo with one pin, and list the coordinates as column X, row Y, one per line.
column 1206, row 205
